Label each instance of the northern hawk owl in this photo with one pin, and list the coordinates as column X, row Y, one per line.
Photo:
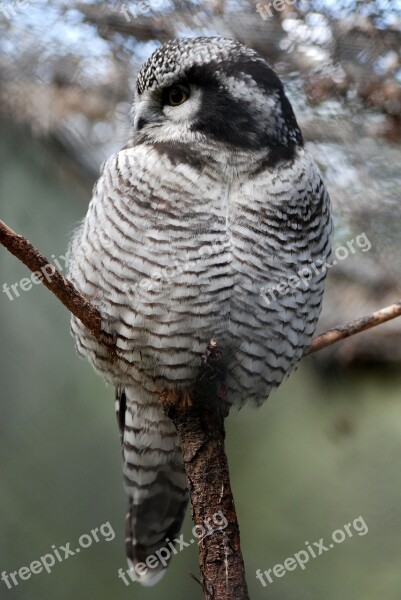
column 214, row 200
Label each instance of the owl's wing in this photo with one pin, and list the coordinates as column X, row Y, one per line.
column 155, row 481
column 281, row 230
column 120, row 244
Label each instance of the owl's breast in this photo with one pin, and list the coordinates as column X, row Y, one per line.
column 173, row 256
column 154, row 254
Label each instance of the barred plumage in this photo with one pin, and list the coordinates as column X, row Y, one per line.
column 214, row 199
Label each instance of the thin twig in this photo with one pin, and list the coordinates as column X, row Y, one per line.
column 343, row 331
column 195, row 578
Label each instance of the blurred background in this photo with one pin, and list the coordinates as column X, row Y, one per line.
column 326, row 447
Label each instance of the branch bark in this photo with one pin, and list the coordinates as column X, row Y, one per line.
column 341, row 332
column 198, row 415
column 55, row 282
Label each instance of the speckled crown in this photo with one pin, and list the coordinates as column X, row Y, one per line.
column 173, row 58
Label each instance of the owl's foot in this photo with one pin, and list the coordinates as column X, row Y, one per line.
column 177, row 399
column 186, row 400
column 169, row 397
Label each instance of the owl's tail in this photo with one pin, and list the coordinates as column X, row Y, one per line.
column 155, row 481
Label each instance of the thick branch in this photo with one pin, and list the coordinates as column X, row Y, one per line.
column 198, row 416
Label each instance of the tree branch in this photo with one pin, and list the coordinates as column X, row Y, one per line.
column 56, row 283
column 198, row 415
column 199, row 419
column 341, row 332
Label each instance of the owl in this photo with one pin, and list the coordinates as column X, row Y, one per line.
column 213, row 201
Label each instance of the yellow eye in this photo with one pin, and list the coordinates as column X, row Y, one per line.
column 177, row 95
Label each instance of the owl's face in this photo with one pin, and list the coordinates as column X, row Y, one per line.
column 212, row 90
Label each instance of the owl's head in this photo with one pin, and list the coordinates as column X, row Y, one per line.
column 212, row 90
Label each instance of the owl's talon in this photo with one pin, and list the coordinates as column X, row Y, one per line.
column 186, row 400
column 169, row 397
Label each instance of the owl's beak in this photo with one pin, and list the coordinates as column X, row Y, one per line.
column 139, row 123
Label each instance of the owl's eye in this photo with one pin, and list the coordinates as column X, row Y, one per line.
column 177, row 95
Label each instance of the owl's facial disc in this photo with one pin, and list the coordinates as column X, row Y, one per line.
column 168, row 113
column 213, row 90
column 185, row 111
